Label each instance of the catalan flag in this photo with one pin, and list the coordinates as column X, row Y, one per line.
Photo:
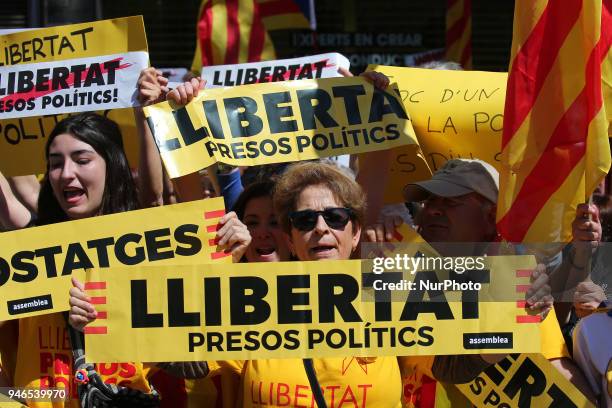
column 606, row 79
column 288, row 14
column 236, row 31
column 231, row 32
column 459, row 32
column 554, row 144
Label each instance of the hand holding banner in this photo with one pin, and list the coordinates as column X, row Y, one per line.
column 278, row 122
column 311, row 67
column 36, row 263
column 455, row 114
column 299, row 309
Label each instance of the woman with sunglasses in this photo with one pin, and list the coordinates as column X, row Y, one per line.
column 321, row 211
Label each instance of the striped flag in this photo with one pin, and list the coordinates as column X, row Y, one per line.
column 288, row 14
column 606, row 83
column 231, row 32
column 554, row 145
column 459, row 32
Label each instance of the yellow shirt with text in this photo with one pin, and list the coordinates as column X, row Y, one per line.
column 345, row 382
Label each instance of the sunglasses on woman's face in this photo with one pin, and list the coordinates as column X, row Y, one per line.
column 306, row 220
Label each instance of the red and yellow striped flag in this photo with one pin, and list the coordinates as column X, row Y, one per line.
column 554, row 146
column 459, row 32
column 231, row 32
column 285, row 14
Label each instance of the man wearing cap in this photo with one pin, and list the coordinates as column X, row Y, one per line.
column 459, row 206
column 459, row 203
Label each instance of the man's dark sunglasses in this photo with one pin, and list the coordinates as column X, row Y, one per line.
column 336, row 218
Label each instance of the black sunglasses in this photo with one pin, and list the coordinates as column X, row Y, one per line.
column 336, row 218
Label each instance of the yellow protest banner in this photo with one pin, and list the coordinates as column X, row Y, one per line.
column 455, row 114
column 304, row 309
column 72, row 68
column 22, row 141
column 73, row 41
column 526, row 380
column 278, row 122
column 36, row 263
column 407, row 164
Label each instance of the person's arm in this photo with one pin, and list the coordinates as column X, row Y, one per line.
column 13, row 214
column 576, row 262
column 374, row 182
column 151, row 89
column 583, row 358
column 150, row 173
column 188, row 187
column 230, row 184
column 572, row 372
column 26, row 189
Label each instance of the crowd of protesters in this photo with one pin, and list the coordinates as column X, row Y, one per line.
column 305, row 211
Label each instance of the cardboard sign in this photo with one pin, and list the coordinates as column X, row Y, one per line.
column 311, row 67
column 278, row 122
column 301, row 309
column 73, row 68
column 36, row 263
column 455, row 114
column 23, row 140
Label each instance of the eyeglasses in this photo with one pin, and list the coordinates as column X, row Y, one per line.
column 336, row 218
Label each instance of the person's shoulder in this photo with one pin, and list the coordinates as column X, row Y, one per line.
column 595, row 324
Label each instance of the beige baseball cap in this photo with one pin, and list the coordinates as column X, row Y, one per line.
column 456, row 178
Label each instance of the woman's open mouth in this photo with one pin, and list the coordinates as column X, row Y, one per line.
column 322, row 250
column 265, row 251
column 73, row 195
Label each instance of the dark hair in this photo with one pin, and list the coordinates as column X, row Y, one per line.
column 254, row 190
column 105, row 137
column 265, row 172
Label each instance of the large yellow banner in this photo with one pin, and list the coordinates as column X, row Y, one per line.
column 455, row 114
column 278, row 122
column 306, row 309
column 36, row 263
column 22, row 141
column 67, row 42
column 72, row 68
column 526, row 380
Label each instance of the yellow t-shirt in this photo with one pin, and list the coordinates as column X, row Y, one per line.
column 218, row 389
column 345, row 382
column 44, row 360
